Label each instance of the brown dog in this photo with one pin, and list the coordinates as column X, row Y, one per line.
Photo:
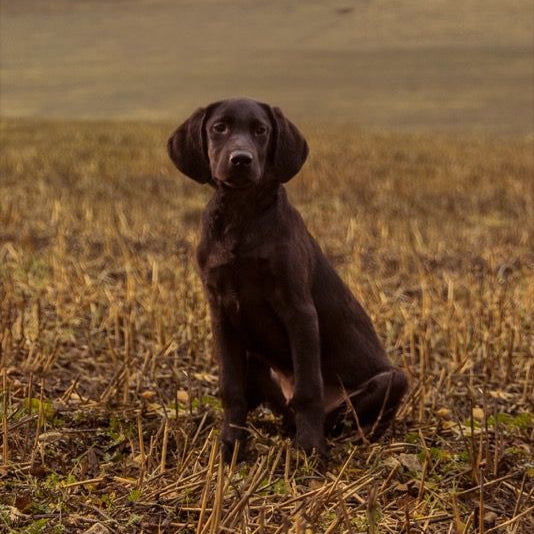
column 287, row 331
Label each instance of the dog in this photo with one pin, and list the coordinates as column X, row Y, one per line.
column 287, row 331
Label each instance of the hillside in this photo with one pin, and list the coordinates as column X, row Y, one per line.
column 413, row 65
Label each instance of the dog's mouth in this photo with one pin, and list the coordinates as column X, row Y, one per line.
column 232, row 183
column 237, row 180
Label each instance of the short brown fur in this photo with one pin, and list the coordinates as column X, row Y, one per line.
column 287, row 330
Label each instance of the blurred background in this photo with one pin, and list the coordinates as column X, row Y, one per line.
column 440, row 65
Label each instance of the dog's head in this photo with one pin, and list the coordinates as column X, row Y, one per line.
column 238, row 143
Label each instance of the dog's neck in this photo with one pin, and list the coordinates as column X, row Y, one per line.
column 232, row 212
column 235, row 206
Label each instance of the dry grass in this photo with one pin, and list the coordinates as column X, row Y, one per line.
column 108, row 410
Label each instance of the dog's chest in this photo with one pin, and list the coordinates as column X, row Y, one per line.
column 238, row 282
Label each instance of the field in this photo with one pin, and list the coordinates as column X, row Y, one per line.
column 109, row 411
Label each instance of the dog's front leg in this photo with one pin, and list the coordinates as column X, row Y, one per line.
column 232, row 382
column 308, row 398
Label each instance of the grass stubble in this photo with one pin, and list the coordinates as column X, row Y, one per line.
column 108, row 410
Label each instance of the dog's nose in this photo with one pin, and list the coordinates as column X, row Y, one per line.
column 241, row 158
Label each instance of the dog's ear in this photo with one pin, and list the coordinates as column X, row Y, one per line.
column 289, row 149
column 187, row 147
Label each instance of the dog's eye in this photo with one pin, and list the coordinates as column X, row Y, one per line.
column 219, row 127
column 260, row 129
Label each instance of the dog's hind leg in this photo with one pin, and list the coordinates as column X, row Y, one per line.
column 374, row 403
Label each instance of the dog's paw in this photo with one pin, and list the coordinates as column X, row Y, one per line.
column 230, row 447
column 311, row 443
